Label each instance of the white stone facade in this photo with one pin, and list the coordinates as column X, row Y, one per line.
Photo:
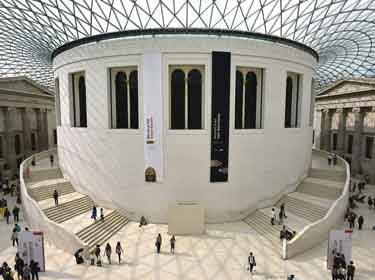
column 109, row 164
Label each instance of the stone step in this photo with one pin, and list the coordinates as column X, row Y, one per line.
column 303, row 209
column 319, row 190
column 48, row 174
column 328, row 174
column 68, row 210
column 46, row 192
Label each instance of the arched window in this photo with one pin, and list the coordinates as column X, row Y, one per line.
column 248, row 98
column 194, row 99
column 78, row 100
column 239, row 100
column 82, row 102
column 288, row 102
column 133, row 80
column 251, row 100
column 124, row 98
column 293, row 100
column 121, row 101
column 178, row 99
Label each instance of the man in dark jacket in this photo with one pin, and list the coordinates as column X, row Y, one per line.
column 251, row 261
column 34, row 269
column 56, row 197
column 350, row 271
column 360, row 222
column 16, row 213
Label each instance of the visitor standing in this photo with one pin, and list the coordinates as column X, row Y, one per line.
column 19, row 264
column 350, row 269
column 251, row 261
column 369, row 202
column 273, row 216
column 56, row 197
column 7, row 214
column 94, row 213
column 360, row 222
column 14, row 237
column 102, row 214
column 34, row 269
column 51, row 159
column 108, row 252
column 158, row 243
column 97, row 255
column 26, row 272
column 16, row 213
column 119, row 250
column 173, row 242
column 282, row 209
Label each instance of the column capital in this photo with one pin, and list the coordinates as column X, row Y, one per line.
column 326, row 110
column 356, row 110
column 339, row 110
column 373, row 109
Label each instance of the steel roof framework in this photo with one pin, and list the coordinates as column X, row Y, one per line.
column 341, row 31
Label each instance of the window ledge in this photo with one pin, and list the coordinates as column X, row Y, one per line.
column 187, row 132
column 294, row 129
column 125, row 131
column 248, row 131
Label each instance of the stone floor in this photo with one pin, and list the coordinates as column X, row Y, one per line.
column 219, row 254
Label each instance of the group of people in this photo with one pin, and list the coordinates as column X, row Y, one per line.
column 24, row 270
column 340, row 270
column 159, row 240
column 95, row 255
column 94, row 214
column 281, row 214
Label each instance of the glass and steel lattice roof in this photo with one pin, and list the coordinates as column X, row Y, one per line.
column 341, row 31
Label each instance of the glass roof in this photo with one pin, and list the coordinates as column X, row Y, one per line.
column 341, row 31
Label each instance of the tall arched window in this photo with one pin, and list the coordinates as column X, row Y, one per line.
column 82, row 102
column 124, row 98
column 186, row 97
column 178, row 99
column 121, row 101
column 78, row 100
column 293, row 100
column 288, row 102
column 249, row 98
column 133, row 80
column 194, row 99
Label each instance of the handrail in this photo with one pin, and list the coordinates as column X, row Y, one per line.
column 61, row 237
column 315, row 233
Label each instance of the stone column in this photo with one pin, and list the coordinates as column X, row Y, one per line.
column 341, row 132
column 357, row 141
column 10, row 153
column 39, row 129
column 326, row 130
column 26, row 131
column 318, row 120
column 45, row 129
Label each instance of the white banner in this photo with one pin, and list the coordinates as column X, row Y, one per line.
column 31, row 247
column 340, row 241
column 153, row 116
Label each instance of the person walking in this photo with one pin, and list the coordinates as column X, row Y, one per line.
column 369, row 202
column 97, row 255
column 26, row 272
column 360, row 222
column 158, row 243
column 19, row 264
column 282, row 209
column 16, row 213
column 7, row 214
column 34, row 269
column 351, row 220
column 173, row 242
column 94, row 213
column 56, row 197
column 251, row 261
column 273, row 216
column 108, row 252
column 101, row 214
column 350, row 269
column 281, row 216
column 14, row 237
column 119, row 250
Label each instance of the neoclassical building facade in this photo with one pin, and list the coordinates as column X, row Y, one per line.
column 345, row 123
column 27, row 122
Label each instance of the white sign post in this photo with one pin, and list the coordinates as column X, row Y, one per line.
column 340, row 241
column 31, row 247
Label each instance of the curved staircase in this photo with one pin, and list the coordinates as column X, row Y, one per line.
column 74, row 208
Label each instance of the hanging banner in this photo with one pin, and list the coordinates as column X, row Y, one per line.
column 220, row 116
column 340, row 241
column 153, row 117
column 31, row 247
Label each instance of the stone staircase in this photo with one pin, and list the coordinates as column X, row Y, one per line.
column 41, row 187
column 46, row 192
column 310, row 202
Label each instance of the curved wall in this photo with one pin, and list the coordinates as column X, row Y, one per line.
column 109, row 164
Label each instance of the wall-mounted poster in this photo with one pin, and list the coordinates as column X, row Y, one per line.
column 220, row 116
